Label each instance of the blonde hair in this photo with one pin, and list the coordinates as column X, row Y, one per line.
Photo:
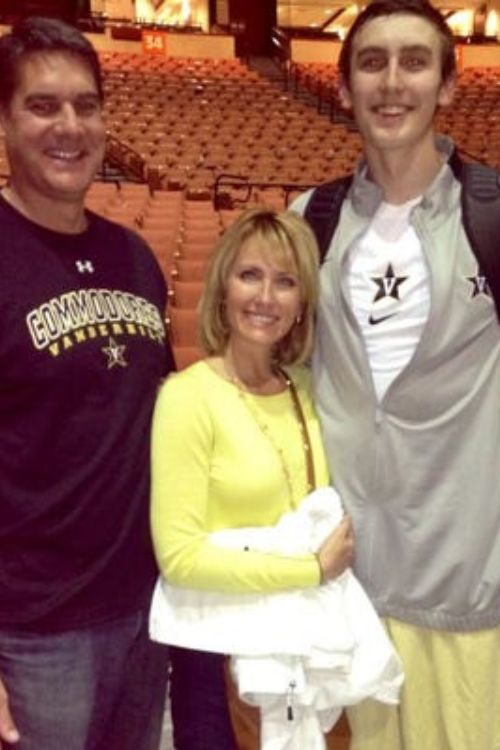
column 286, row 233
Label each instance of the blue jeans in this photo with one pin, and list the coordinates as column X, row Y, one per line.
column 98, row 688
column 200, row 713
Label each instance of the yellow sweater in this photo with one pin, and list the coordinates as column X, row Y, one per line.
column 214, row 467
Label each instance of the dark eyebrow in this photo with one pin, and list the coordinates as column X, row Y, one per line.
column 419, row 49
column 412, row 49
column 37, row 97
column 370, row 50
column 54, row 97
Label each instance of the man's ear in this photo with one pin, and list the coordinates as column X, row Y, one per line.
column 3, row 119
column 344, row 94
column 447, row 91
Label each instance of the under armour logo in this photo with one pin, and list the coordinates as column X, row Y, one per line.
column 84, row 266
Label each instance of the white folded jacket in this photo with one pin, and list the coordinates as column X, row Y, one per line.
column 302, row 654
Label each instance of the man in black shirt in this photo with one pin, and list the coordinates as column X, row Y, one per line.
column 82, row 351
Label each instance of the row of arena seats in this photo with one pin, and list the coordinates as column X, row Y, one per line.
column 171, row 223
column 188, row 128
column 319, row 79
column 474, row 119
column 125, row 62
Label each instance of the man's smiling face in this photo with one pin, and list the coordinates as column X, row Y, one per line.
column 396, row 81
column 54, row 131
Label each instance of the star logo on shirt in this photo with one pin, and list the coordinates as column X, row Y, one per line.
column 114, row 353
column 388, row 285
column 479, row 284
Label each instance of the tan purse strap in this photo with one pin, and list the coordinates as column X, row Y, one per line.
column 299, row 411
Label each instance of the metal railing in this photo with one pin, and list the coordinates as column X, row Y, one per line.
column 226, row 182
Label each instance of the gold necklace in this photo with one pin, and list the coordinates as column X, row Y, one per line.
column 246, row 398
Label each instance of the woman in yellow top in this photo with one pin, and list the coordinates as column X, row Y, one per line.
column 236, row 442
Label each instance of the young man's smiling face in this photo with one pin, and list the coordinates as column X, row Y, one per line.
column 396, row 82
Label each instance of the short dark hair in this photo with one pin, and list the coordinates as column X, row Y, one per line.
column 420, row 8
column 37, row 34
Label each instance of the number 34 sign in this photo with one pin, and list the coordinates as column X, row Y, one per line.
column 154, row 42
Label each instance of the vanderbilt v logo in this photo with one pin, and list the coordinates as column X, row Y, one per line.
column 388, row 285
column 479, row 284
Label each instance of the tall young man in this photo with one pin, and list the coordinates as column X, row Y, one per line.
column 407, row 373
column 82, row 350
